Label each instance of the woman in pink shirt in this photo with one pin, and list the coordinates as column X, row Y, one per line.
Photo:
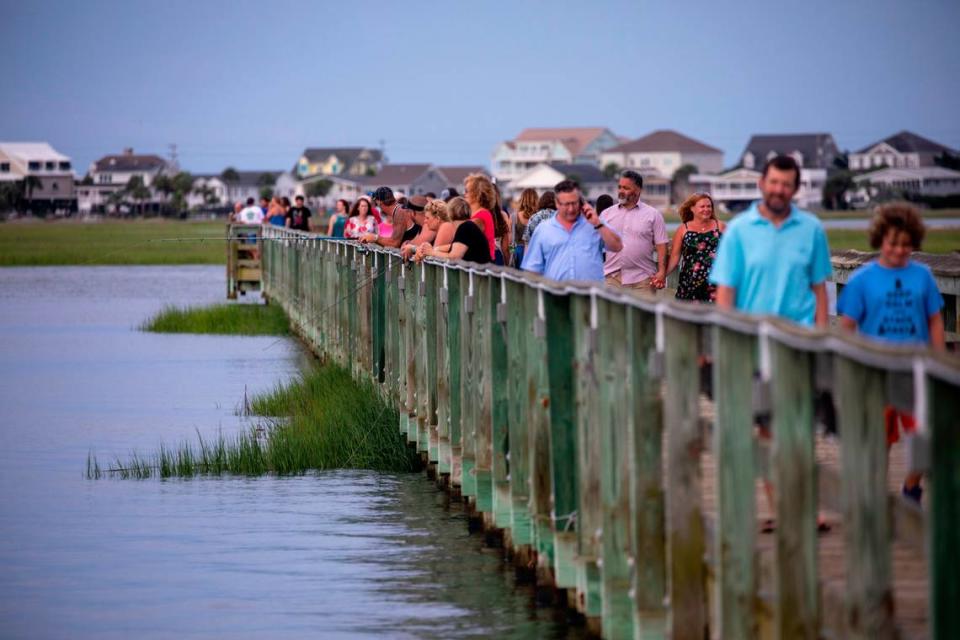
column 481, row 197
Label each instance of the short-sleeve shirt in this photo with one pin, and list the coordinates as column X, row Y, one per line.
column 355, row 228
column 299, row 218
column 486, row 217
column 640, row 228
column 469, row 234
column 535, row 220
column 772, row 268
column 891, row 304
column 251, row 215
column 560, row 254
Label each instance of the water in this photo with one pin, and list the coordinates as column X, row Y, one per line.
column 338, row 554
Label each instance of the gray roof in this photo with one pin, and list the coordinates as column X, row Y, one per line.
column 909, row 142
column 455, row 175
column 664, row 140
column 397, row 174
column 129, row 162
column 818, row 149
column 584, row 173
column 348, row 155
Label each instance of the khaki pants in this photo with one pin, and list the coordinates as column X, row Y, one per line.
column 644, row 286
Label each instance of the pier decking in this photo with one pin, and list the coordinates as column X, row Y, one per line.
column 573, row 418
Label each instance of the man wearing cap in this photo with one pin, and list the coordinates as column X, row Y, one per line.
column 416, row 204
column 404, row 226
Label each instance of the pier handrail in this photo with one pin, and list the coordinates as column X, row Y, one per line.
column 568, row 414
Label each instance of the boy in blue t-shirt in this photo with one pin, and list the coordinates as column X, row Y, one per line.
column 895, row 299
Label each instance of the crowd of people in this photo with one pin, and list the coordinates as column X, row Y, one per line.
column 772, row 259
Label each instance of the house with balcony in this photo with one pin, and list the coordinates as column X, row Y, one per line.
column 46, row 175
column 664, row 151
column 904, row 150
column 338, row 161
column 571, row 145
column 912, row 182
column 737, row 187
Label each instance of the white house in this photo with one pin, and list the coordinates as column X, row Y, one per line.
column 739, row 186
column 920, row 181
column 572, row 145
column 208, row 190
column 904, row 150
column 51, row 184
column 664, row 151
column 118, row 169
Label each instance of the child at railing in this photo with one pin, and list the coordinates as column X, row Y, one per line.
column 895, row 299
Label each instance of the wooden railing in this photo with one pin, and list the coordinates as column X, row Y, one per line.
column 570, row 416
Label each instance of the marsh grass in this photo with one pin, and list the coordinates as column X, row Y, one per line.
column 139, row 242
column 233, row 319
column 323, row 420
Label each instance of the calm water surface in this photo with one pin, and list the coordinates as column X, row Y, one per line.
column 337, row 554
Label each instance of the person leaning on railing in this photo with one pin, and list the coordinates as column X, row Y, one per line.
column 400, row 221
column 468, row 242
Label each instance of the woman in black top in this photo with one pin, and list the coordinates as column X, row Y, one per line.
column 469, row 243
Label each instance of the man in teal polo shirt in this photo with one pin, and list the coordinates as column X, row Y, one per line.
column 773, row 258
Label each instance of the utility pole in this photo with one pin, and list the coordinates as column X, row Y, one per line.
column 173, row 154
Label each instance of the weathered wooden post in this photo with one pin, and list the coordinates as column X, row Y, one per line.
column 443, row 376
column 520, row 336
column 943, row 534
column 686, row 541
column 734, row 450
column 869, row 606
column 453, row 364
column 617, row 472
column 499, row 372
column 566, row 511
column 482, row 360
column 647, row 499
column 468, row 387
column 797, row 610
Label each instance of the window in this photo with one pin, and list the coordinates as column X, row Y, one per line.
column 4, row 167
column 33, row 166
column 644, row 162
column 55, row 187
column 64, row 166
column 50, row 166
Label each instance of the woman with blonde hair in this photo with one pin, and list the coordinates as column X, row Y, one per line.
column 468, row 242
column 481, row 195
column 695, row 247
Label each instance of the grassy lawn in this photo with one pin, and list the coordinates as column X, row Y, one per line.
column 936, row 240
column 100, row 243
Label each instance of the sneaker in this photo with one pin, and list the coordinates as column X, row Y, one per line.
column 914, row 493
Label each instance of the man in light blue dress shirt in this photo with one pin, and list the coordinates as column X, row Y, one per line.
column 569, row 246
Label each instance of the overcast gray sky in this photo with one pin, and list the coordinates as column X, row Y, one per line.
column 250, row 84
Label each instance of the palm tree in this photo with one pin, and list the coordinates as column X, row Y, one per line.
column 29, row 184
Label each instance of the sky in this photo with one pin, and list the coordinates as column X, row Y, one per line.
column 251, row 84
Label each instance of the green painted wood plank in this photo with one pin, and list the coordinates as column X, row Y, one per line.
column 616, row 469
column 563, row 435
column 538, row 420
column 734, row 448
column 502, row 501
column 519, row 336
column 647, row 498
column 468, row 385
column 685, row 531
column 430, row 335
column 866, row 518
column 443, row 374
column 796, row 609
column 483, row 388
column 943, row 485
column 454, row 332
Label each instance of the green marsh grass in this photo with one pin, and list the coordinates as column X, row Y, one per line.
column 139, row 242
column 233, row 319
column 322, row 420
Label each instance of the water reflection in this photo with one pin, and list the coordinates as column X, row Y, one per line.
column 338, row 554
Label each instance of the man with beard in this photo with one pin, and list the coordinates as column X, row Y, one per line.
column 773, row 258
column 643, row 232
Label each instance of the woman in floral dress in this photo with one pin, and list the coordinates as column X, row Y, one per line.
column 695, row 247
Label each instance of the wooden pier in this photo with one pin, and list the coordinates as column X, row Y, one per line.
column 573, row 418
column 244, row 251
